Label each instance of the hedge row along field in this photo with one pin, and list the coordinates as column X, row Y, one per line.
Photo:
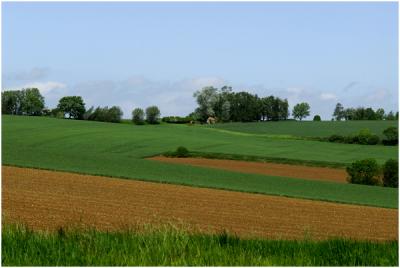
column 169, row 247
column 119, row 150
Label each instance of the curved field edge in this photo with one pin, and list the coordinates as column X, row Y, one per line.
column 374, row 196
column 170, row 247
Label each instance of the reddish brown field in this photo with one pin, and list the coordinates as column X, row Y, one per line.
column 272, row 169
column 47, row 200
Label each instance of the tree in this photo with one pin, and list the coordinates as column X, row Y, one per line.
column 33, row 103
column 152, row 115
column 365, row 171
column 301, row 110
column 73, row 106
column 380, row 114
column 392, row 136
column 317, row 118
column 27, row 101
column 206, row 99
column 339, row 112
column 349, row 114
column 390, row 116
column 114, row 114
column 138, row 116
column 225, row 113
column 391, row 173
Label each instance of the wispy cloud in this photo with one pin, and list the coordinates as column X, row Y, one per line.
column 33, row 74
column 327, row 96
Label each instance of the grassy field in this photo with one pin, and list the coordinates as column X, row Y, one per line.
column 118, row 150
column 170, row 247
column 307, row 128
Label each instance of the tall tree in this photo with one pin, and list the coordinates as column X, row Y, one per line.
column 206, row 99
column 301, row 110
column 153, row 115
column 339, row 112
column 380, row 114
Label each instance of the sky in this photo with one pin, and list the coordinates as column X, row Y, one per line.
column 136, row 54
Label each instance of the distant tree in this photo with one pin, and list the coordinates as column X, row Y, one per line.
column 27, row 101
column 114, row 114
column 380, row 114
column 152, row 115
column 317, row 118
column 339, row 113
column 73, row 106
column 390, row 116
column 369, row 114
column 138, row 116
column 349, row 114
column 225, row 113
column 88, row 115
column 206, row 99
column 301, row 110
column 33, row 103
column 392, row 136
column 397, row 115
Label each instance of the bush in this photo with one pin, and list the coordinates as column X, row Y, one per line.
column 113, row 114
column 336, row 138
column 177, row 119
column 138, row 116
column 391, row 173
column 365, row 137
column 182, row 152
column 365, row 171
column 392, row 136
column 152, row 115
column 317, row 118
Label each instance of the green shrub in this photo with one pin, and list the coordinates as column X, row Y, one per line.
column 177, row 119
column 365, row 137
column 391, row 173
column 317, row 118
column 182, row 152
column 336, row 138
column 392, row 136
column 365, row 171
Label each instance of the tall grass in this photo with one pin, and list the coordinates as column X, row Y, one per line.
column 169, row 247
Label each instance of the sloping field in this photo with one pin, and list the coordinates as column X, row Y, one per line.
column 292, row 171
column 308, row 128
column 119, row 150
column 47, row 200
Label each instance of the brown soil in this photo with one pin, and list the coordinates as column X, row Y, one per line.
column 47, row 200
column 272, row 169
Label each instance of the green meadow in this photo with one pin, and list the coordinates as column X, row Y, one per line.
column 170, row 247
column 119, row 150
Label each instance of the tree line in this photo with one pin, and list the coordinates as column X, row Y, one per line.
column 226, row 106
column 30, row 102
column 362, row 113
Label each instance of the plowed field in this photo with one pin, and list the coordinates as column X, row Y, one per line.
column 48, row 200
column 272, row 169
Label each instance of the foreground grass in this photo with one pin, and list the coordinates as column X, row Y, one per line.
column 169, row 247
column 308, row 128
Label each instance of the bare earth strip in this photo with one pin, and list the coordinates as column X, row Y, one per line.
column 47, row 200
column 272, row 169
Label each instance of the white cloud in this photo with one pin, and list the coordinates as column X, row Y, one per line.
column 45, row 87
column 327, row 96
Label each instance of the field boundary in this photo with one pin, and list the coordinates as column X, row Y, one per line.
column 253, row 158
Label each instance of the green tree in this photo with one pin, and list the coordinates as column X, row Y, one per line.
column 206, row 99
column 152, row 115
column 339, row 113
column 391, row 173
column 73, row 106
column 380, row 114
column 390, row 116
column 365, row 171
column 33, row 103
column 138, row 116
column 317, row 118
column 301, row 110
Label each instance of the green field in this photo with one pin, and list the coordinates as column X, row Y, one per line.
column 118, row 150
column 307, row 128
column 169, row 247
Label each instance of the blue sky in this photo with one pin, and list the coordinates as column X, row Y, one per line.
column 140, row 54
